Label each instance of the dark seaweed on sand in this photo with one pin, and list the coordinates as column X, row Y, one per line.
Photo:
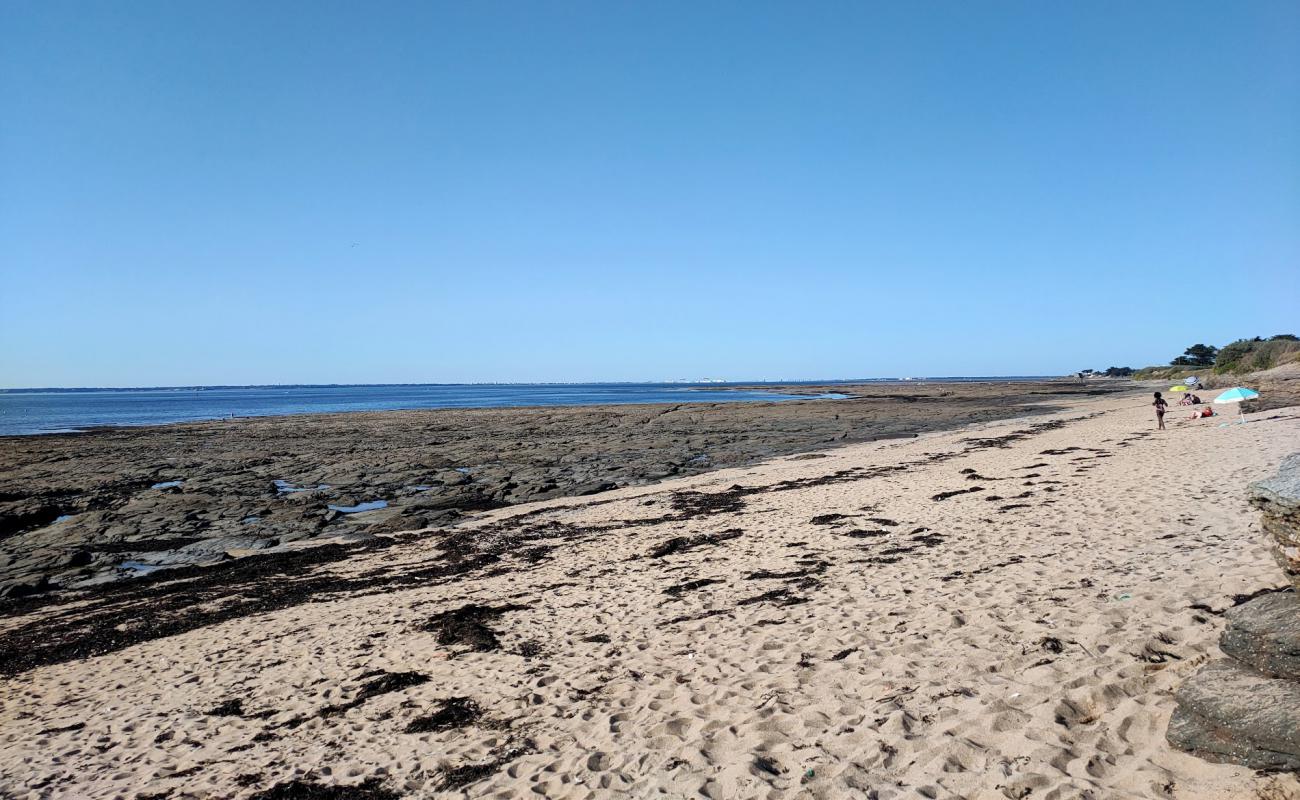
column 459, row 777
column 467, row 626
column 230, row 708
column 680, row 544
column 171, row 602
column 454, row 712
column 861, row 534
column 781, row 597
column 807, row 568
column 926, row 537
column 827, row 519
column 952, row 576
column 701, row 504
column 386, row 683
column 689, row 586
column 713, row 612
column 371, row 789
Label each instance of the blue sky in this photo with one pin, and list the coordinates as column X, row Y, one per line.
column 287, row 192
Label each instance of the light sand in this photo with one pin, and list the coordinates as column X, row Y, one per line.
column 933, row 675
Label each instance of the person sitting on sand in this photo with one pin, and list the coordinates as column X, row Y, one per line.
column 1160, row 405
column 1186, row 401
column 1196, row 401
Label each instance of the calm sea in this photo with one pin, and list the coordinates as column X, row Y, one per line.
column 24, row 411
column 31, row 411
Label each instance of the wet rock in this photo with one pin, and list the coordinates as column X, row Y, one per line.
column 451, row 477
column 25, row 587
column 80, row 558
column 397, row 524
column 462, row 497
column 20, row 516
column 205, row 548
column 1265, row 633
column 1230, row 713
column 593, row 487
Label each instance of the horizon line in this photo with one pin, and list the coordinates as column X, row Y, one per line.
column 679, row 382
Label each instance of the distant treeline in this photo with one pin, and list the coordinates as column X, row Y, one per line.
column 1234, row 358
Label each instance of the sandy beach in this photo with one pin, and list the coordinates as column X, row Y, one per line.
column 1000, row 611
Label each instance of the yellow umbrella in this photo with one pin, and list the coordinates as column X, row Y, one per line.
column 1178, row 388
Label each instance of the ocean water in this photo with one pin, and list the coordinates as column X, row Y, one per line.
column 36, row 411
column 27, row 411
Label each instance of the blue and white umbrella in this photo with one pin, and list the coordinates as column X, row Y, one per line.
column 1236, row 395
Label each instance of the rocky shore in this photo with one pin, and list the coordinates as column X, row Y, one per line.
column 82, row 509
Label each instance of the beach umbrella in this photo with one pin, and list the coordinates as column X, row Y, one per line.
column 1236, row 395
column 1177, row 388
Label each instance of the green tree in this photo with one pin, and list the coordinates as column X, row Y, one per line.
column 1198, row 355
column 1232, row 354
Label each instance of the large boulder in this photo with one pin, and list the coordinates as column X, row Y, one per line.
column 1245, row 709
column 1278, row 498
column 1229, row 712
column 1265, row 633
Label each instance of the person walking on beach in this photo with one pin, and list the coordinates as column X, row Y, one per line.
column 1160, row 405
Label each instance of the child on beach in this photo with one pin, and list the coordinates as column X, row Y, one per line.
column 1160, row 405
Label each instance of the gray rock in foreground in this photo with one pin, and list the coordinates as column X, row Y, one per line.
column 1246, row 709
column 1280, row 494
column 1265, row 633
column 1278, row 498
column 1230, row 713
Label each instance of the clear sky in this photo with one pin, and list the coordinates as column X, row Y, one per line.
column 229, row 192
